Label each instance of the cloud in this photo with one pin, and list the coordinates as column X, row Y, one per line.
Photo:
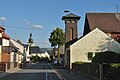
column 37, row 26
column 26, row 22
column 2, row 19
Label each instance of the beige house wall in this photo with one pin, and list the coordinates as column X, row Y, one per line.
column 95, row 41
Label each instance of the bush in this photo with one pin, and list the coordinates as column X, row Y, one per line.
column 80, row 62
column 106, row 57
column 35, row 58
column 115, row 65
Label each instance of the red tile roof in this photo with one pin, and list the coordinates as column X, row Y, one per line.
column 108, row 22
column 5, row 36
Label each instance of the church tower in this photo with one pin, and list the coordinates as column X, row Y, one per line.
column 30, row 40
column 71, row 31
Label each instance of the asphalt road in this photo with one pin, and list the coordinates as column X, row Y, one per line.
column 35, row 71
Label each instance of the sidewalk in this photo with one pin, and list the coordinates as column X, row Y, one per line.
column 69, row 75
column 2, row 74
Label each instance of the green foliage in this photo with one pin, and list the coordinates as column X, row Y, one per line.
column 115, row 71
column 115, row 65
column 57, row 37
column 106, row 57
column 80, row 62
column 35, row 58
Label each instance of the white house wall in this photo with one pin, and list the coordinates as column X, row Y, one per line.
column 95, row 41
column 5, row 42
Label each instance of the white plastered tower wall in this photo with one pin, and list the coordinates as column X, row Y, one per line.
column 95, row 41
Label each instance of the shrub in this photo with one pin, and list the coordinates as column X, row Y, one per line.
column 115, row 65
column 106, row 57
column 80, row 62
column 35, row 58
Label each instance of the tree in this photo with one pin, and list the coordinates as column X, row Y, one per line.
column 57, row 38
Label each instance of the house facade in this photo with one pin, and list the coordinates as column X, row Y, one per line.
column 94, row 42
column 101, row 33
column 17, row 56
column 107, row 22
column 4, row 46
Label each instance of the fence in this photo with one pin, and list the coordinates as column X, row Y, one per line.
column 98, row 71
column 89, row 69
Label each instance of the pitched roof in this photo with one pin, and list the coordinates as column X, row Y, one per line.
column 5, row 36
column 43, row 50
column 70, row 42
column 107, row 22
column 35, row 49
column 18, row 41
column 48, row 50
column 98, row 41
column 13, row 47
column 71, row 15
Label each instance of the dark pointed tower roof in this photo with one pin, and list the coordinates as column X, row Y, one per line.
column 71, row 16
column 30, row 40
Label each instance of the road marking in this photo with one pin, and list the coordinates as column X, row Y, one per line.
column 46, row 74
column 57, row 73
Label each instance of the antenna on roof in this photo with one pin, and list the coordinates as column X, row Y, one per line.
column 117, row 8
column 66, row 11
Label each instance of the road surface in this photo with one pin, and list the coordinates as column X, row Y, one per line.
column 35, row 71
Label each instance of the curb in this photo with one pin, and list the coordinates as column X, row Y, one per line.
column 60, row 76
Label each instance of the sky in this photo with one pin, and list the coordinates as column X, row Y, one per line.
column 41, row 17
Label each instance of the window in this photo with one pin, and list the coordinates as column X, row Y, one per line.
column 90, row 55
column 71, row 34
column 0, row 41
